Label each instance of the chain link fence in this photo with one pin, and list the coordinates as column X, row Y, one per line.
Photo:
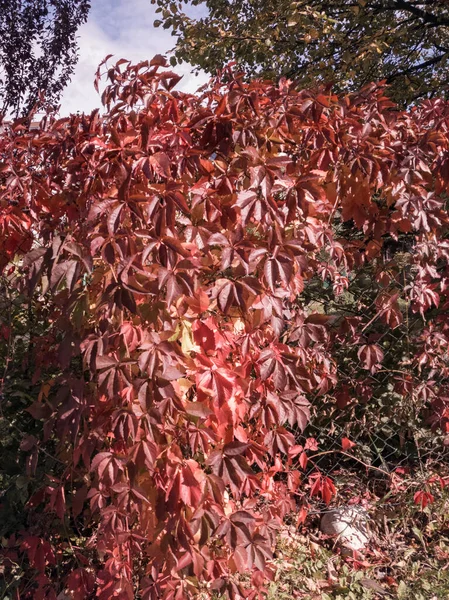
column 380, row 430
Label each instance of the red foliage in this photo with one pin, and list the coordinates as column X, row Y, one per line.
column 423, row 498
column 172, row 238
column 347, row 444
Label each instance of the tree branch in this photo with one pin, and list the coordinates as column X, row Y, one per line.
column 423, row 65
column 427, row 17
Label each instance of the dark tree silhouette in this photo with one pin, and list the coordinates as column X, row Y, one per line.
column 38, row 50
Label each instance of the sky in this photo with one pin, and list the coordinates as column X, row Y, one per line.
column 125, row 29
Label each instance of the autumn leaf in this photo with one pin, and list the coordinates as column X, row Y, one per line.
column 347, row 444
column 370, row 356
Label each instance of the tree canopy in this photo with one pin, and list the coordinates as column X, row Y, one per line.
column 38, row 50
column 348, row 42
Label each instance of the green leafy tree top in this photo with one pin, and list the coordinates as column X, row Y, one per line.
column 349, row 43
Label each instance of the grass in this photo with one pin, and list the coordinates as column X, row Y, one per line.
column 408, row 559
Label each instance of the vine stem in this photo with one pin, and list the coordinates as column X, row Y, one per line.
column 343, row 453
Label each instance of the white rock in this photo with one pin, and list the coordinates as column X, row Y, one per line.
column 349, row 524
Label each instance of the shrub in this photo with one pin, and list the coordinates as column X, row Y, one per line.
column 182, row 258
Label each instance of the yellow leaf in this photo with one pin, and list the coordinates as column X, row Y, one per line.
column 187, row 343
column 184, row 384
column 239, row 326
column 175, row 336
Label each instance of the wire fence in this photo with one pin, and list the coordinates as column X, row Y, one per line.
column 383, row 429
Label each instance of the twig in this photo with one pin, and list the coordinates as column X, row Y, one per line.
column 343, row 453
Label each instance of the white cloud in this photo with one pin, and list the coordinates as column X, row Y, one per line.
column 125, row 29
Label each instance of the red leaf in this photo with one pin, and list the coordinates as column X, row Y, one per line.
column 235, row 448
column 346, row 444
column 197, row 409
column 303, row 460
column 370, row 356
column 422, row 498
column 80, row 583
column 161, row 164
column 322, row 486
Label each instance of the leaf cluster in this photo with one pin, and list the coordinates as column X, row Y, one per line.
column 348, row 44
column 174, row 252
